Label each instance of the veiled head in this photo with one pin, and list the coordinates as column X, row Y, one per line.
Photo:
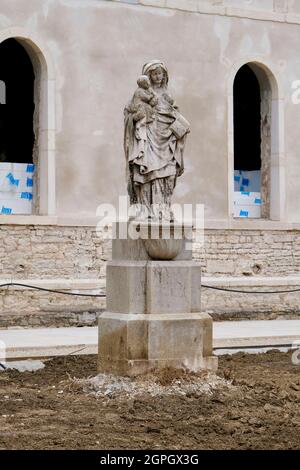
column 157, row 72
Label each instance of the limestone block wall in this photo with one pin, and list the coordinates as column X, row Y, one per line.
column 73, row 259
column 250, row 252
column 47, row 252
column 231, row 305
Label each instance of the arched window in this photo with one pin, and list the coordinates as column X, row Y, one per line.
column 257, row 177
column 247, row 144
column 17, row 134
column 27, row 120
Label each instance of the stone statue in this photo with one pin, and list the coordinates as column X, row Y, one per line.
column 153, row 289
column 154, row 141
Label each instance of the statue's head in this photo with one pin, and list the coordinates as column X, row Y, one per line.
column 157, row 72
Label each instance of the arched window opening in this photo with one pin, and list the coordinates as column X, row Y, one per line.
column 16, row 129
column 252, row 98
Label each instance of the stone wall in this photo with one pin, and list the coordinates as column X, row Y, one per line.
column 250, row 252
column 232, row 305
column 73, row 259
column 47, row 252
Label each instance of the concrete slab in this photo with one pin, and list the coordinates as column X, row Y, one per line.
column 46, row 342
column 27, row 365
column 258, row 350
column 255, row 333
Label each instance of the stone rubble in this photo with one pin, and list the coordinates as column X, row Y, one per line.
column 111, row 386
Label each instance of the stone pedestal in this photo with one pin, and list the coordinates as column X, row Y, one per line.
column 153, row 314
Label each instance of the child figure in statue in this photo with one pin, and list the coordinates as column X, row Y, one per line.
column 144, row 100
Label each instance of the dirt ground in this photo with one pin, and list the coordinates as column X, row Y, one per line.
column 48, row 409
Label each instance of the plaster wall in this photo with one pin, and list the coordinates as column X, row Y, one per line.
column 98, row 47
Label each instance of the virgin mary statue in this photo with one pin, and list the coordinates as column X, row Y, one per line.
column 154, row 140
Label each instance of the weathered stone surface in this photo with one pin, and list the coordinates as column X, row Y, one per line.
column 169, row 287
column 153, row 286
column 135, row 344
column 154, row 140
column 230, row 252
column 132, row 248
column 126, row 286
column 163, row 249
column 152, row 319
column 235, row 253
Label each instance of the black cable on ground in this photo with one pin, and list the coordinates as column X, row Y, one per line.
column 50, row 290
column 3, row 366
column 104, row 295
column 251, row 291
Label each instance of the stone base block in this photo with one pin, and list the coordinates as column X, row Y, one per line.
column 153, row 287
column 173, row 287
column 126, row 286
column 132, row 344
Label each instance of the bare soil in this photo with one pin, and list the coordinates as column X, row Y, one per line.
column 49, row 409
